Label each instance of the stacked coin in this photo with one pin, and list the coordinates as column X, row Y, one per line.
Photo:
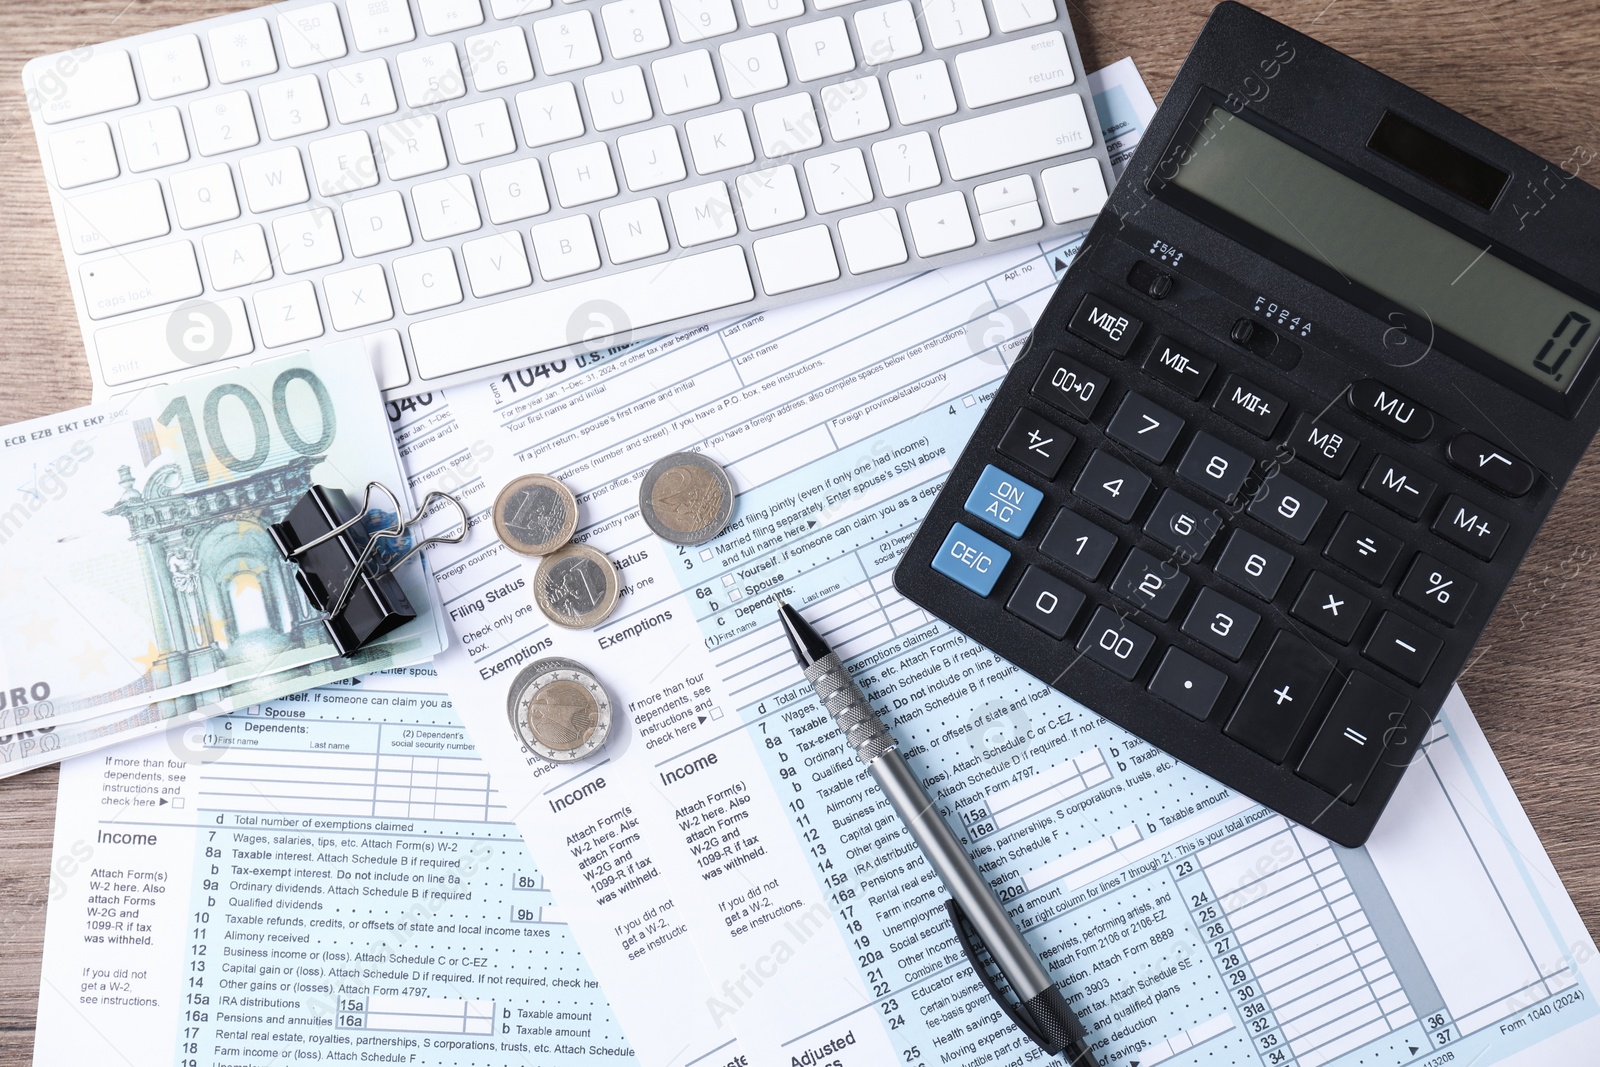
column 576, row 586
column 686, row 498
column 559, row 710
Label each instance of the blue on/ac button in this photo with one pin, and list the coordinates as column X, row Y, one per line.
column 971, row 559
column 1004, row 501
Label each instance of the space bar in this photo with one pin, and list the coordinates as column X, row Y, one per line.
column 586, row 314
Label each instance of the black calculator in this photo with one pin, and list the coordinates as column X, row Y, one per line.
column 1285, row 429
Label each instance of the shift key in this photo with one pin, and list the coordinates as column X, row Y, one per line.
column 140, row 278
column 1005, row 140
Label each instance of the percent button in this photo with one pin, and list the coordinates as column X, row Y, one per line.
column 1441, row 591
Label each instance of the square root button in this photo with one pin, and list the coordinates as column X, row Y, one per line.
column 1003, row 501
column 971, row 559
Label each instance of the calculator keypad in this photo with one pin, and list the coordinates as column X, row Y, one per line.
column 1036, row 443
column 1396, row 485
column 1218, row 468
column 1334, row 609
column 1069, row 386
column 1111, row 484
column 1145, row 426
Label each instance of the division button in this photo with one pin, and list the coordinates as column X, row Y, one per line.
column 1359, row 727
column 1145, row 426
column 1078, row 543
column 1403, row 647
column 1395, row 412
column 1490, row 464
column 1466, row 524
column 1399, row 487
column 1036, row 443
column 1175, row 365
column 1153, row 585
column 1366, row 549
column 1070, row 386
column 971, row 559
column 1437, row 589
column 1334, row 609
column 1115, row 643
column 1187, row 684
column 1249, row 405
column 1004, row 501
column 1045, row 601
column 1324, row 446
column 1280, row 697
column 1104, row 325
column 1254, row 565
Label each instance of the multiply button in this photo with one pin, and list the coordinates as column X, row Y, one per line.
column 1003, row 501
column 1280, row 697
column 1105, row 326
column 1395, row 412
column 1490, row 464
column 1069, row 385
column 971, row 559
column 1466, row 524
column 1330, row 607
column 1365, row 719
column 1036, row 442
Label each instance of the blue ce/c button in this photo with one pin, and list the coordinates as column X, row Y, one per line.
column 1004, row 501
column 971, row 559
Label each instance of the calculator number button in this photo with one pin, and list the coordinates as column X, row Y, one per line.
column 1104, row 325
column 1249, row 405
column 1187, row 684
column 1036, row 443
column 1004, row 501
column 1109, row 483
column 1153, row 585
column 1280, row 697
column 1491, row 464
column 1437, row 589
column 1145, row 426
column 1399, row 487
column 1175, row 366
column 1466, row 524
column 1218, row 468
column 1405, row 648
column 1046, row 602
column 1182, row 525
column 1076, row 542
column 1325, row 447
column 1364, row 719
column 1115, row 643
column 1359, row 546
column 1287, row 506
column 1395, row 412
column 1070, row 386
column 1330, row 607
column 971, row 559
column 1254, row 565
column 1220, row 624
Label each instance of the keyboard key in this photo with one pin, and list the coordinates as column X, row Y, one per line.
column 1078, row 543
column 971, row 559
column 1111, row 484
column 510, row 9
column 1069, row 385
column 116, row 216
column 838, row 180
column 138, row 278
column 411, row 147
column 1393, row 411
column 703, row 213
column 1287, row 506
column 1437, row 589
column 698, row 20
column 1398, row 486
column 617, row 98
column 872, row 240
column 1280, row 697
column 634, row 231
column 1218, row 468
column 953, row 22
column 1036, row 442
column 549, row 114
column 1016, row 68
column 634, row 27
column 1014, row 15
column 446, row 16
column 376, row 224
column 496, row 264
column 854, row 108
column 237, row 256
column 1182, row 525
column 1145, row 426
column 514, row 191
column 139, row 348
column 498, row 59
column 288, row 314
column 752, row 65
column 379, row 23
column 1332, row 608
column 1405, row 648
column 204, row 196
column 445, row 208
column 565, row 247
column 1115, row 643
column 1254, row 565
column 940, row 224
column 770, row 197
column 1074, row 190
column 922, row 91
column 362, row 91
column 1366, row 549
column 172, row 67
column 481, row 130
column 1464, row 523
column 1105, row 326
column 1003, row 501
column 1006, row 140
column 1024, row 218
column 430, row 75
column 1243, row 402
column 343, row 163
column 536, row 322
column 1153, row 585
column 242, row 50
column 1187, row 684
column 795, row 260
column 292, row 107
column 651, row 158
column 719, row 141
column 685, row 82
column 906, row 164
column 1220, row 624
column 821, row 49
column 83, row 84
column 583, row 175
column 309, row 35
column 357, row 298
column 568, row 42
column 888, row 33
column 787, row 125
column 306, row 240
column 273, row 180
column 1007, row 192
column 1353, row 737
column 1324, row 446
column 152, row 140
column 1485, row 461
column 223, row 123
column 1046, row 602
column 761, row 12
column 427, row 281
column 1176, row 366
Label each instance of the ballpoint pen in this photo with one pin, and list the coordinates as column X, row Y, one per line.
column 981, row 923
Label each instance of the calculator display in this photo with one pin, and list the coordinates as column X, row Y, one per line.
column 1371, row 241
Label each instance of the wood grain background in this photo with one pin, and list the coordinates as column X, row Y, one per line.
column 1524, row 68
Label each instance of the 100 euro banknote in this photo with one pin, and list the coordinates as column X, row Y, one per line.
column 136, row 567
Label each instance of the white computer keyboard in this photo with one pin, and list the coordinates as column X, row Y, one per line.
column 466, row 185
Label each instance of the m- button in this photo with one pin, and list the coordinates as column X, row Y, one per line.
column 1104, row 325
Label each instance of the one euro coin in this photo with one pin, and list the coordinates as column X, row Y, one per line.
column 535, row 514
column 576, row 587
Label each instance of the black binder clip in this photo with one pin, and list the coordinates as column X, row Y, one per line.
column 334, row 553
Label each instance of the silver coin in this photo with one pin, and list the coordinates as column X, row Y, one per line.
column 559, row 710
column 576, row 587
column 686, row 498
column 535, row 514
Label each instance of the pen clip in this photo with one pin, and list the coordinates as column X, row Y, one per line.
column 972, row 944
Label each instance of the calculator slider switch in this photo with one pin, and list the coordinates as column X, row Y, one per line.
column 1496, row 467
column 1105, row 325
column 1148, row 280
column 1395, row 412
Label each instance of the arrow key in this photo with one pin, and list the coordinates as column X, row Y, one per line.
column 1490, row 464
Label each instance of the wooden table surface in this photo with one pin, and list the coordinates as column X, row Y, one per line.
column 1524, row 68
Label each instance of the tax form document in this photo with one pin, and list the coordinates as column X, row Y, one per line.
column 332, row 877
